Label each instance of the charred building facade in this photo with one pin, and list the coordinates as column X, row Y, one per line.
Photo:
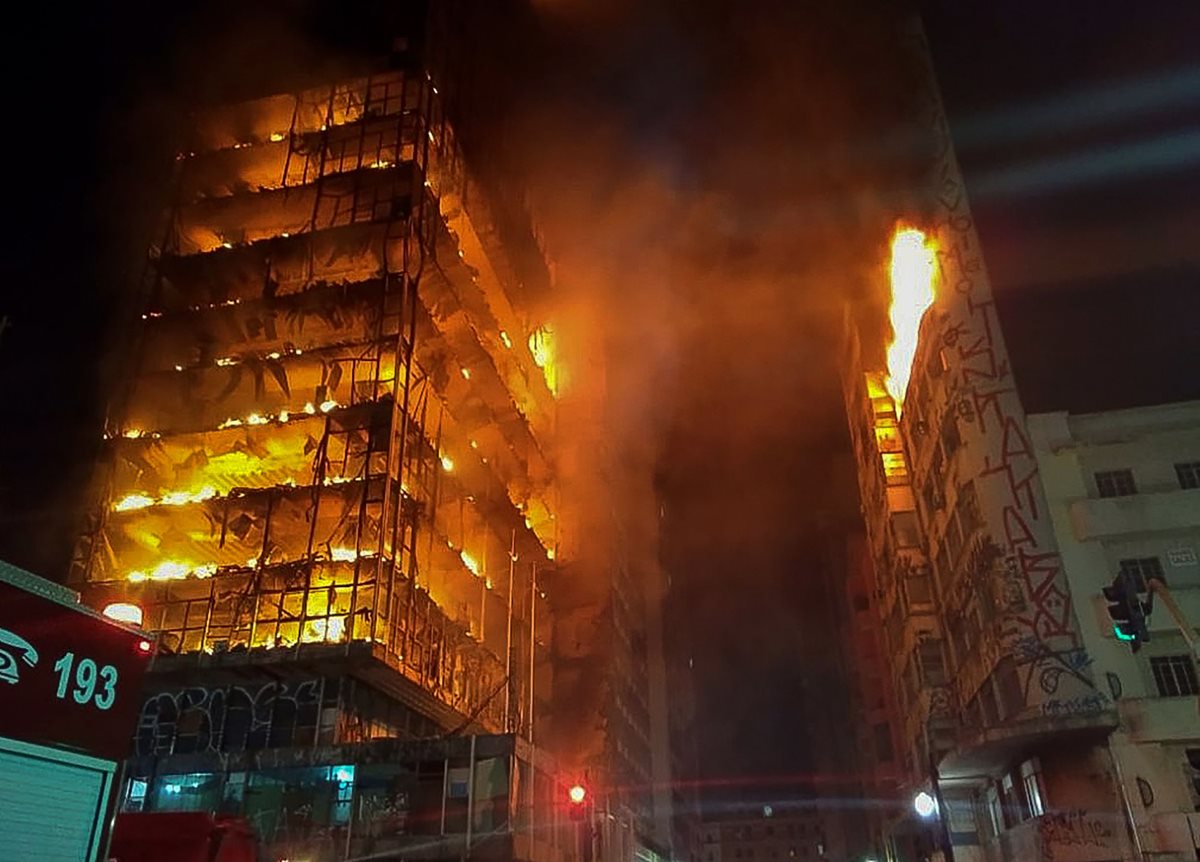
column 330, row 490
column 1034, row 730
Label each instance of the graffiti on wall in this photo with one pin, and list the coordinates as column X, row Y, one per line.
column 230, row 719
column 1076, row 834
column 1038, row 622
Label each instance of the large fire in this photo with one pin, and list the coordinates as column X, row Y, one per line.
column 913, row 274
column 281, row 450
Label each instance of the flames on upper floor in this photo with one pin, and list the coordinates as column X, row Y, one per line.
column 339, row 422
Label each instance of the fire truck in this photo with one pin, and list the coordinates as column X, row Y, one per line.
column 70, row 689
column 182, row 837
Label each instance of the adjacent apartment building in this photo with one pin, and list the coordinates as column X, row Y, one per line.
column 330, row 488
column 991, row 531
column 771, row 834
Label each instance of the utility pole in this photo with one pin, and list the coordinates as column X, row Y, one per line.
column 943, row 813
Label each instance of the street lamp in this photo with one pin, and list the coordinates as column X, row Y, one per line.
column 925, row 805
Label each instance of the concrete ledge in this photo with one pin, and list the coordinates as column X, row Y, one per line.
column 994, row 748
column 1136, row 514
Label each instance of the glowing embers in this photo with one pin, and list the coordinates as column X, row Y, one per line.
column 176, row 570
column 349, row 555
column 133, row 502
column 470, row 562
column 173, row 570
column 913, row 273
column 541, row 347
column 324, row 630
column 282, row 416
column 133, row 434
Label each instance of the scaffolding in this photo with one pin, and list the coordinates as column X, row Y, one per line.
column 336, row 421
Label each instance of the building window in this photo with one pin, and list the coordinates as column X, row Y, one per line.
column 918, row 590
column 1031, row 778
column 343, row 777
column 1174, row 675
column 950, row 437
column 1193, row 769
column 1013, row 810
column 933, row 669
column 1115, row 483
column 1142, row 569
column 995, row 811
column 1189, row 474
column 135, row 796
column 905, row 530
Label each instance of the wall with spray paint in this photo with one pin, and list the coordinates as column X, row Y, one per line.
column 1013, row 634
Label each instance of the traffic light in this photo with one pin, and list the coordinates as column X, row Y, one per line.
column 1127, row 610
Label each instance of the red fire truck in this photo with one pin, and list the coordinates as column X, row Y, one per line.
column 182, row 837
column 70, row 688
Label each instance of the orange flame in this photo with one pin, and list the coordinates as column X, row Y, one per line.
column 913, row 273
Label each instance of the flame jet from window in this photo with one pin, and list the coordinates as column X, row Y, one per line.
column 541, row 347
column 913, row 273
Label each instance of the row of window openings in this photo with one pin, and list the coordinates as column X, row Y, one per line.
column 748, row 853
column 746, row 833
column 1120, row 483
column 1012, row 802
column 1174, row 675
column 1019, row 796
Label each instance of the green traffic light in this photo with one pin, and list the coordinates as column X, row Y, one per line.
column 1121, row 636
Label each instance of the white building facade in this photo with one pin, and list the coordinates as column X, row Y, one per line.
column 1123, row 489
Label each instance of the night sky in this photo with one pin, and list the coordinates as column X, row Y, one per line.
column 1079, row 131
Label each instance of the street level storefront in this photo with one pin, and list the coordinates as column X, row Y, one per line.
column 491, row 797
column 70, row 682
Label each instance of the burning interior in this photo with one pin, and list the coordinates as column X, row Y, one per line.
column 340, row 420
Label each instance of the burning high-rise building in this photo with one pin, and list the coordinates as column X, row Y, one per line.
column 330, row 489
column 1029, row 728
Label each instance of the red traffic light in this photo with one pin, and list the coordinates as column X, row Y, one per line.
column 577, row 794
